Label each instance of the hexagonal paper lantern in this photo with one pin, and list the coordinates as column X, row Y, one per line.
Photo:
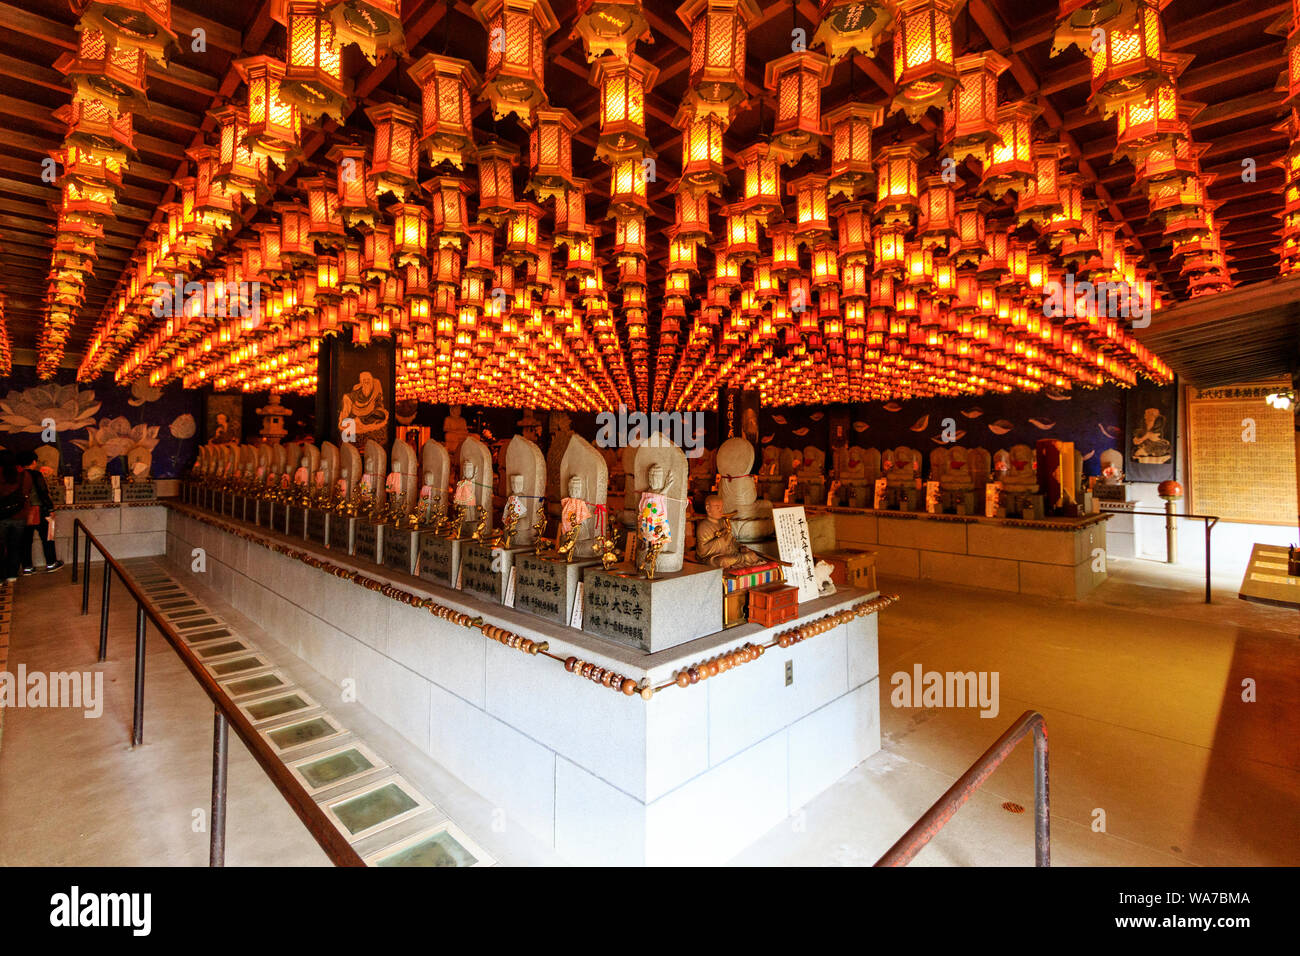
column 375, row 259
column 550, row 153
column 325, row 224
column 1143, row 122
column 623, row 84
column 296, row 246
column 522, row 233
column 610, row 26
column 797, row 80
column 702, row 169
column 627, row 189
column 925, row 70
column 140, row 24
column 238, row 168
column 937, row 223
column 375, row 26
column 313, row 75
column 850, row 127
column 1068, row 220
column 394, row 162
column 897, row 191
column 846, row 26
column 970, row 121
column 1128, row 63
column 516, row 54
column 812, row 219
column 93, row 126
column 1040, row 199
column 447, row 115
column 273, row 122
column 762, row 181
column 496, row 185
column 103, row 71
column 854, row 228
column 571, row 212
column 357, row 199
column 719, row 31
column 1011, row 161
column 450, row 215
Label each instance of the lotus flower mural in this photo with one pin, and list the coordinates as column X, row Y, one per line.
column 183, row 427
column 117, row 436
column 28, row 411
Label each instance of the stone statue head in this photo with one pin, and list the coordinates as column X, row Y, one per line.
column 428, row 478
column 516, row 484
column 575, row 486
column 468, row 471
column 655, row 477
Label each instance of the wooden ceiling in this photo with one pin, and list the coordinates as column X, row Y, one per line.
column 1234, row 71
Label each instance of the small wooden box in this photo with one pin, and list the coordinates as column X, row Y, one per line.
column 734, row 606
column 773, row 604
column 852, row 569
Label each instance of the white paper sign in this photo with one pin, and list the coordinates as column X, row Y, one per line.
column 508, row 599
column 576, row 619
column 795, row 547
column 881, row 485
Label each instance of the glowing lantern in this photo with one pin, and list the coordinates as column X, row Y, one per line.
column 296, row 245
column 681, row 255
column 692, row 213
column 854, row 221
column 1040, row 199
column 610, row 26
column 812, row 221
column 496, row 189
column 93, row 126
column 785, row 250
column 1011, row 161
column 521, row 233
column 924, row 68
column 102, row 71
column 888, row 247
column 1142, row 123
column 629, row 237
column 623, row 84
column 238, row 168
column 742, row 234
column 1127, row 63
column 516, row 58
column 850, row 127
column 718, row 38
column 374, row 262
column 135, row 24
column 1068, row 220
column 702, row 169
column 447, row 117
column 897, row 192
column 550, row 153
column 325, row 225
column 762, row 175
column 970, row 123
column 395, row 163
column 797, row 80
column 375, row 26
column 627, row 191
column 846, row 26
column 450, row 217
column 938, row 219
column 571, row 213
column 354, row 190
column 313, row 76
column 825, row 266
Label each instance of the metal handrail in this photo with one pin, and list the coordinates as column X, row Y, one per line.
column 227, row 714
column 1210, row 522
column 921, row 832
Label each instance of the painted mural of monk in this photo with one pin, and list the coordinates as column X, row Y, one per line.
column 364, row 404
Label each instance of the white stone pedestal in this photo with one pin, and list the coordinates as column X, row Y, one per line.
column 653, row 615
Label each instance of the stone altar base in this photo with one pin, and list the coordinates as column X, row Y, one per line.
column 548, row 588
column 401, row 548
column 674, row 608
column 318, row 526
column 439, row 559
column 368, row 541
column 485, row 570
column 342, row 534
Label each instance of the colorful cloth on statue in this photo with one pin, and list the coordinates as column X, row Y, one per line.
column 341, row 487
column 464, row 492
column 368, row 483
column 654, row 517
column 300, row 476
column 394, row 482
column 513, row 510
column 573, row 511
column 426, row 492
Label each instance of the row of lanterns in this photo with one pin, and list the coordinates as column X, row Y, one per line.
column 1290, row 162
column 915, row 294
column 6, row 352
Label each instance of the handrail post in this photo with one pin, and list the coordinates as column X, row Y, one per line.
column 220, row 751
column 1209, row 526
column 76, row 528
column 1042, row 815
column 137, row 725
column 103, row 607
column 85, row 579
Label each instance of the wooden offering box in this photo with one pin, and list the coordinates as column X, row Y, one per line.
column 773, row 604
column 853, row 569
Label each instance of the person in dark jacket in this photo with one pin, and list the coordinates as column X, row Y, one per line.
column 15, row 492
column 40, row 496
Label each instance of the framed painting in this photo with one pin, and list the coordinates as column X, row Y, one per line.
column 223, row 417
column 1150, row 434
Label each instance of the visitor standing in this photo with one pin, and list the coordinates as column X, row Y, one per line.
column 15, row 491
column 42, row 499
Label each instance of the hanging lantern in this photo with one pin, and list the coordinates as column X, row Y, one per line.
column 629, row 237
column 785, row 250
column 1068, row 219
column 797, row 80
column 100, row 70
column 718, row 38
column 889, row 249
column 313, row 76
column 692, row 213
column 357, row 201
column 550, row 153
column 273, row 124
column 516, row 57
column 970, row 122
column 395, row 163
column 702, row 169
column 325, row 225
column 479, row 256
column 812, row 220
column 238, row 168
column 134, row 24
column 741, row 243
column 375, row 261
column 447, row 116
column 925, row 71
column 496, row 185
column 850, row 127
column 627, row 189
column 1040, row 199
column 571, row 213
column 375, row 26
column 610, row 26
column 846, row 26
column 897, row 193
column 92, row 126
column 296, row 246
column 623, row 84
column 1011, row 161
column 938, row 220
column 213, row 204
column 450, row 217
column 854, row 228
column 522, row 233
column 1142, row 123
column 762, row 178
column 1127, row 64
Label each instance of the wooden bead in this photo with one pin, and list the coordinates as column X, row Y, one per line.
column 629, row 686
column 682, row 678
column 569, row 664
column 713, row 668
column 693, row 674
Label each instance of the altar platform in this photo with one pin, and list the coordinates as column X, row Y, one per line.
column 683, row 775
column 1053, row 557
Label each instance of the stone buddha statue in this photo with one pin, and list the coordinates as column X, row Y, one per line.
column 654, row 530
column 575, row 512
column 811, row 475
column 716, row 544
column 513, row 510
column 900, row 478
column 1020, row 490
column 738, row 490
column 951, row 468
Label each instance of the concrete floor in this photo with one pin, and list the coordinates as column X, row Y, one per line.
column 1140, row 685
